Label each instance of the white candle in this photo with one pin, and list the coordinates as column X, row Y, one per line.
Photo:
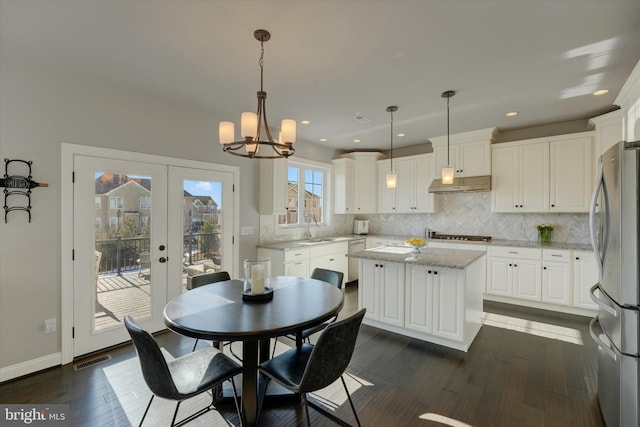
column 257, row 279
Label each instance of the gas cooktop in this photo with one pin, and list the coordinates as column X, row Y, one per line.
column 461, row 237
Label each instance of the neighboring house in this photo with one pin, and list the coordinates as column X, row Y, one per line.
column 199, row 209
column 312, row 206
column 122, row 198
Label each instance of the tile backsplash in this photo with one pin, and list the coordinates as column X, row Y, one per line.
column 460, row 213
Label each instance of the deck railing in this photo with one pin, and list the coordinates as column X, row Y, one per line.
column 124, row 254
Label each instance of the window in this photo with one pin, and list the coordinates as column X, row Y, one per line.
column 145, row 202
column 98, row 202
column 115, row 202
column 98, row 223
column 307, row 191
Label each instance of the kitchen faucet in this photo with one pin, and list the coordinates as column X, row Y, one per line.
column 308, row 220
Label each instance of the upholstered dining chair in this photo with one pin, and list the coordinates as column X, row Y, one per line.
column 205, row 279
column 330, row 276
column 312, row 367
column 184, row 377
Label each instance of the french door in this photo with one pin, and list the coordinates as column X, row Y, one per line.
column 141, row 230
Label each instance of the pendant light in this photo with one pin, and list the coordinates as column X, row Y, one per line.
column 392, row 178
column 447, row 171
column 252, row 125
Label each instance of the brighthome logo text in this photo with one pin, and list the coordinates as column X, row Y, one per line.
column 38, row 415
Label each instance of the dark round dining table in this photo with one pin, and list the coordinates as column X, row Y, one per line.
column 217, row 312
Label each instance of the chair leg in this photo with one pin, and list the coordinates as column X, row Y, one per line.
column 350, row 401
column 175, row 414
column 306, row 408
column 146, row 410
column 194, row 346
column 235, row 399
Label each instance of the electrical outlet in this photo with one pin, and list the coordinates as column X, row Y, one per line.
column 49, row 326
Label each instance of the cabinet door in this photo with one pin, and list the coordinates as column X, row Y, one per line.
column 405, row 168
column 499, row 276
column 386, row 196
column 526, row 279
column 533, row 188
column 419, row 299
column 556, row 282
column 391, row 302
column 297, row 268
column 424, row 172
column 585, row 275
column 504, row 180
column 441, row 158
column 364, row 189
column 474, row 159
column 571, row 175
column 368, row 292
column 448, row 304
column 343, row 170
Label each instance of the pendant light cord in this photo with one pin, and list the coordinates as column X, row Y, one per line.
column 448, row 161
column 391, row 140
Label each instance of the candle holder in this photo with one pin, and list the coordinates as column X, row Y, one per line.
column 257, row 280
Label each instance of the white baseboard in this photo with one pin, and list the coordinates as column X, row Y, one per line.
column 30, row 366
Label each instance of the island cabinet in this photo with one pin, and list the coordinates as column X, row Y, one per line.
column 381, row 291
column 435, row 296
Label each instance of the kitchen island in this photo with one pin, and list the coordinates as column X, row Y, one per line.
column 434, row 296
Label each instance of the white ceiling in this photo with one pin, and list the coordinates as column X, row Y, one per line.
column 330, row 60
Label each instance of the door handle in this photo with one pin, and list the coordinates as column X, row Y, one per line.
column 163, row 259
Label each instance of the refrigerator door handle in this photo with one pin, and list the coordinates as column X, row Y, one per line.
column 595, row 330
column 608, row 305
column 592, row 219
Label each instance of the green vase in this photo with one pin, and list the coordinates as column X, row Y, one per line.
column 544, row 235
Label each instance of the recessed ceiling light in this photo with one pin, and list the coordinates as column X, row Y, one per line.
column 356, row 140
column 512, row 114
column 323, row 139
column 305, row 122
column 400, row 135
column 601, row 92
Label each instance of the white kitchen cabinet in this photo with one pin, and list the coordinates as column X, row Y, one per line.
column 520, row 177
column 296, row 268
column 608, row 132
column 469, row 152
column 331, row 256
column 355, row 177
column 585, row 275
column 414, row 174
column 514, row 272
column 556, row 276
column 386, row 196
column 381, row 291
column 273, row 186
column 571, row 174
column 434, row 301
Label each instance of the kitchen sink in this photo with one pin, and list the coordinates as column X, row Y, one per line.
column 322, row 240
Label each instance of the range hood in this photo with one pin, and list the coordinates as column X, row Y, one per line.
column 462, row 185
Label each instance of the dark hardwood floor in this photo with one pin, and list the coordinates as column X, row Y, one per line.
column 525, row 368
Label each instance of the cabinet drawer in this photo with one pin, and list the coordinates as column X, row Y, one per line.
column 328, row 248
column 296, row 254
column 514, row 252
column 556, row 255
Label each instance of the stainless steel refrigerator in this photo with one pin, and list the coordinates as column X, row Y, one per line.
column 614, row 221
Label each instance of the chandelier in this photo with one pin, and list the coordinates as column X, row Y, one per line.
column 251, row 126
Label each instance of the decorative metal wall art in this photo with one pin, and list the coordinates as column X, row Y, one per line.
column 21, row 184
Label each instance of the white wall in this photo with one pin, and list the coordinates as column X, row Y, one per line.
column 38, row 111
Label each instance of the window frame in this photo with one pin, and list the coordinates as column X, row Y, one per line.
column 310, row 165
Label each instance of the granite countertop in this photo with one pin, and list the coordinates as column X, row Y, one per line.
column 296, row 244
column 443, row 258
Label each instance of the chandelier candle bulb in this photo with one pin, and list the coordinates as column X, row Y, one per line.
column 249, row 125
column 226, row 132
column 288, row 131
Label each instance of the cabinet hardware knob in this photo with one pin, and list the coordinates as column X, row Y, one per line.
column 429, row 272
column 332, row 259
column 435, row 272
column 578, row 258
column 515, row 265
column 510, row 265
column 163, row 259
column 162, row 247
column 544, row 268
column 553, row 206
column 521, row 206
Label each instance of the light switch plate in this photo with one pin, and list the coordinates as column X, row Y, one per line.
column 246, row 230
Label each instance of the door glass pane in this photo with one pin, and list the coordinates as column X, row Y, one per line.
column 122, row 248
column 202, row 225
